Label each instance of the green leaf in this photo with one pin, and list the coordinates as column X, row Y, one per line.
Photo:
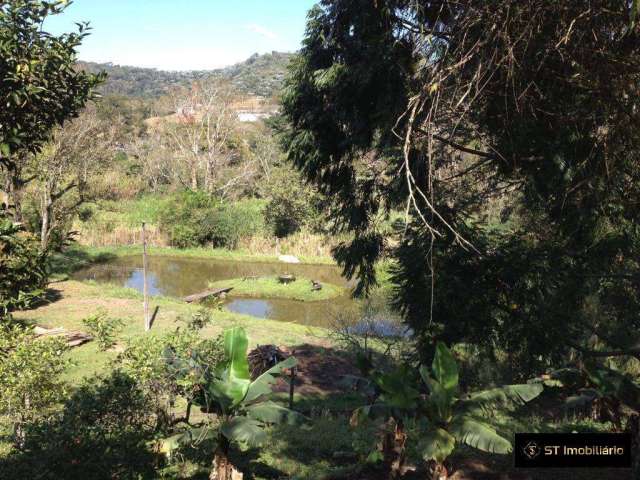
column 586, row 397
column 5, row 150
column 269, row 412
column 507, row 396
column 479, row 435
column 445, row 368
column 228, row 392
column 436, row 444
column 262, row 385
column 195, row 435
column 244, row 430
column 397, row 388
column 235, row 347
column 439, row 403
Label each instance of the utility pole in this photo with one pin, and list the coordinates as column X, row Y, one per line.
column 145, row 291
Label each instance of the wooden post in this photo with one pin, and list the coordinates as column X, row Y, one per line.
column 145, row 291
column 292, row 386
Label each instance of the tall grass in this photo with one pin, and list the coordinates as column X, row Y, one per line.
column 113, row 224
column 96, row 236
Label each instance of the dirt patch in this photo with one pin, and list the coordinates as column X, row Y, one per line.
column 319, row 370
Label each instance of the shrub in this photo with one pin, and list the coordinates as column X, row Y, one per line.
column 22, row 272
column 85, row 213
column 195, row 219
column 198, row 320
column 292, row 205
column 229, row 223
column 101, row 433
column 286, row 214
column 104, row 329
column 30, row 376
column 144, row 359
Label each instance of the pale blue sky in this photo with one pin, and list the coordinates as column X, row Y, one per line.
column 184, row 34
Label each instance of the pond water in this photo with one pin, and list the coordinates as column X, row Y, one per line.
column 182, row 276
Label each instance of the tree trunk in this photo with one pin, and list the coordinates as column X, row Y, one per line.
column 222, row 467
column 194, row 177
column 208, row 184
column 12, row 186
column 19, row 433
column 46, row 220
column 393, row 449
column 439, row 472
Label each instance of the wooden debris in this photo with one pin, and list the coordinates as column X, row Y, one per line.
column 263, row 357
column 196, row 297
column 74, row 338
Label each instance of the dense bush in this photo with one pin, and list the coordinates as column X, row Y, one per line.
column 30, row 376
column 144, row 359
column 291, row 206
column 22, row 272
column 101, row 433
column 195, row 219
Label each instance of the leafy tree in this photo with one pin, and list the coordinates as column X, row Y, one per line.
column 40, row 88
column 446, row 416
column 239, row 403
column 291, row 203
column 401, row 105
column 22, row 267
column 65, row 169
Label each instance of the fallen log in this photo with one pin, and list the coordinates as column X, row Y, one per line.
column 74, row 338
column 196, row 297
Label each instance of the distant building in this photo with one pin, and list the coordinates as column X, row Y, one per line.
column 247, row 116
column 253, row 109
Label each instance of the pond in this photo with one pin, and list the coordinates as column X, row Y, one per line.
column 182, row 276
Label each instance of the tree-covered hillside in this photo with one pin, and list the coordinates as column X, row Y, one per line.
column 259, row 75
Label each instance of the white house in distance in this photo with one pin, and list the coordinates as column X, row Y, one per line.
column 249, row 109
column 253, row 109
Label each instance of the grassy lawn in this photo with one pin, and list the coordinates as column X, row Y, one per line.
column 270, row 287
column 73, row 301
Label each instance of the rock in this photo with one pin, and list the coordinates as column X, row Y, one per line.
column 289, row 259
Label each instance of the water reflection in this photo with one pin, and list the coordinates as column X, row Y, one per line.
column 179, row 276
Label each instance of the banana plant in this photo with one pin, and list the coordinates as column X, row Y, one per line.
column 603, row 390
column 240, row 404
column 447, row 417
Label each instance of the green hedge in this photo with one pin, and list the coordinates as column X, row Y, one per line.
column 195, row 219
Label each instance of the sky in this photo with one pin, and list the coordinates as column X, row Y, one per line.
column 184, row 34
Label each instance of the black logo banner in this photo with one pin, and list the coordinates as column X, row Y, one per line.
column 573, row 450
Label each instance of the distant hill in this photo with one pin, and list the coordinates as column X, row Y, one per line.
column 261, row 75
